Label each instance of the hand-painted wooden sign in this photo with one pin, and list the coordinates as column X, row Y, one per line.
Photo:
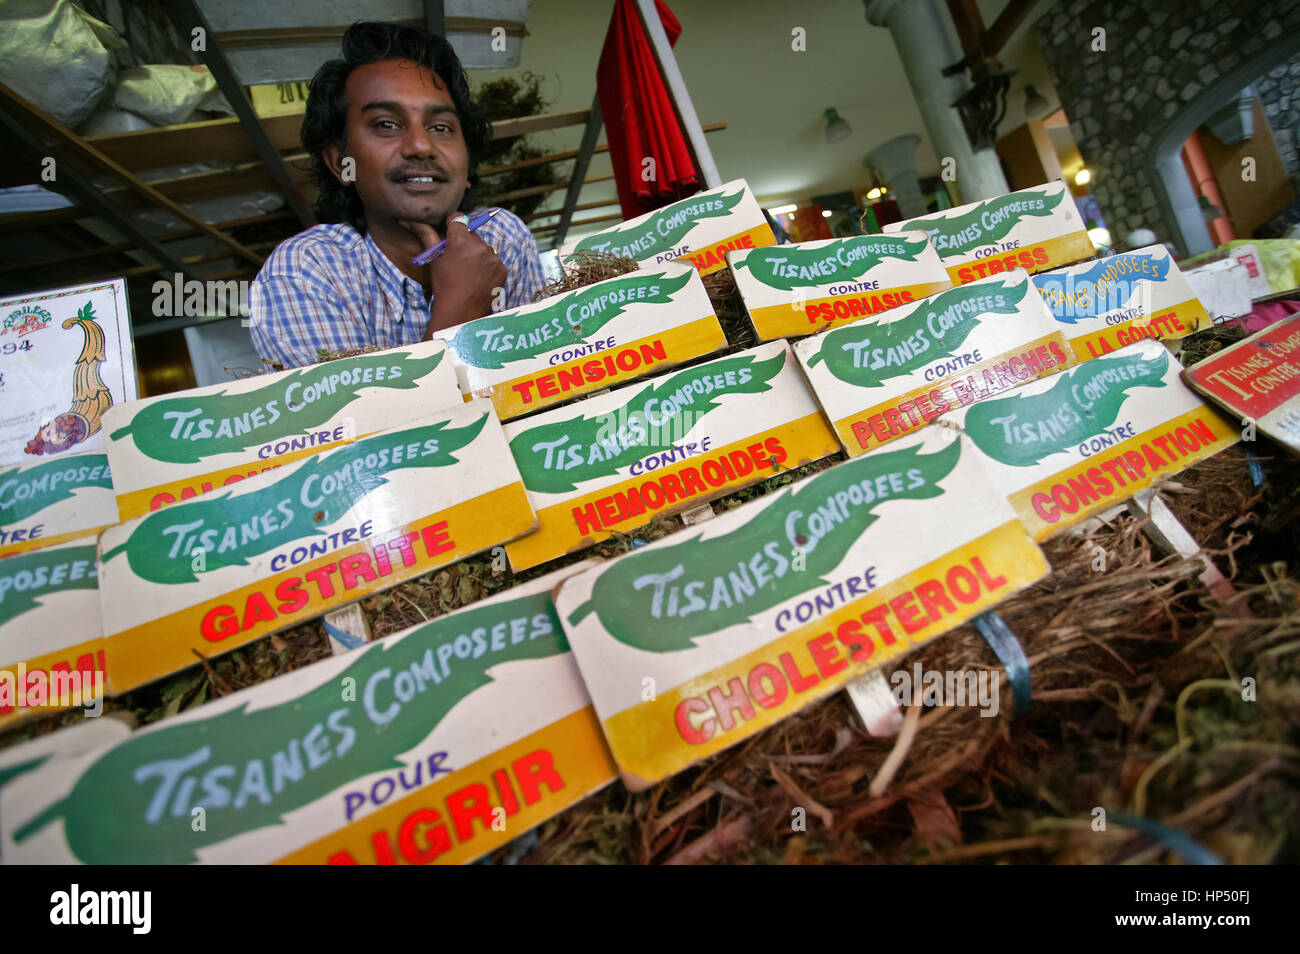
column 92, row 734
column 847, row 569
column 1258, row 380
column 1070, row 445
column 53, row 501
column 586, row 340
column 215, row 572
column 52, row 655
column 699, row 230
column 1103, row 306
column 66, row 355
column 1034, row 229
column 802, row 288
column 884, row 377
column 613, row 462
column 436, row 744
column 178, row 446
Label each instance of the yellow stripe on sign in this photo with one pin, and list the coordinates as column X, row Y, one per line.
column 1062, row 250
column 808, row 317
column 1113, row 474
column 452, row 821
column 91, row 655
column 137, row 503
column 1175, row 322
column 10, row 549
column 601, row 369
column 711, row 712
column 713, row 257
column 559, row 532
column 881, row 423
column 222, row 623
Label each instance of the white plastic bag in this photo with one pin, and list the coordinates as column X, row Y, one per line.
column 166, row 94
column 56, row 56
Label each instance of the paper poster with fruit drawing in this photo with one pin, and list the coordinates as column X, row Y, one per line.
column 66, row 355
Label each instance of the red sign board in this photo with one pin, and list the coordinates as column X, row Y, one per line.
column 1258, row 379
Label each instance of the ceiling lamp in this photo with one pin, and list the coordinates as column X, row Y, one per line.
column 836, row 128
column 1035, row 104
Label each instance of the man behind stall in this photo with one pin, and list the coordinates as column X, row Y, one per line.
column 394, row 139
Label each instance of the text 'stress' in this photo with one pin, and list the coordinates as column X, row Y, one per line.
column 1258, row 380
column 215, row 572
column 614, row 462
column 52, row 654
column 699, row 230
column 799, row 289
column 54, row 501
column 436, row 744
column 1070, row 445
column 1103, row 306
column 884, row 377
column 1034, row 229
column 176, row 447
column 849, row 569
column 66, row 356
column 585, row 340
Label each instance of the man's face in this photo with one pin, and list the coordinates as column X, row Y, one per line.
column 405, row 137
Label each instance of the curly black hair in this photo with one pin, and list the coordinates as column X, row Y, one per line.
column 325, row 121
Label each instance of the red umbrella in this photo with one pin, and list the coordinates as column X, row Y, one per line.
column 640, row 122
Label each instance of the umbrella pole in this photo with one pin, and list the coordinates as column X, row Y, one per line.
column 677, row 90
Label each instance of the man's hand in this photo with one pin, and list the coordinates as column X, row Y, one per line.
column 465, row 278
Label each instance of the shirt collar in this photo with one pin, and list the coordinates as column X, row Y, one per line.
column 399, row 289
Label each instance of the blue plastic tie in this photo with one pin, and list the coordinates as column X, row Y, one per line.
column 1012, row 656
column 347, row 639
column 1256, row 470
column 1172, row 839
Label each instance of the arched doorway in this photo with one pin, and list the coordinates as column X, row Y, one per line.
column 1174, row 193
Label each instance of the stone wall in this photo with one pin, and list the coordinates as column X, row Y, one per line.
column 1279, row 93
column 1159, row 54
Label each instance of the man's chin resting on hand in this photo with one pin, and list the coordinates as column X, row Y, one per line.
column 393, row 137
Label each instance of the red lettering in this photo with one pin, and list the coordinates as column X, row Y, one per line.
column 535, row 770
column 682, row 716
column 826, row 656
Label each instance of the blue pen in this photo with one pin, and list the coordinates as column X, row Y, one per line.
column 429, row 255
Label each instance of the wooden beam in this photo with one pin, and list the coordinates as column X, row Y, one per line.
column 290, row 36
column 1012, row 15
column 970, row 27
column 224, row 139
column 72, row 184
column 119, row 247
column 148, row 269
column 210, row 139
column 22, row 109
column 35, row 220
column 523, row 125
column 563, row 156
column 592, row 221
column 539, row 190
column 585, row 207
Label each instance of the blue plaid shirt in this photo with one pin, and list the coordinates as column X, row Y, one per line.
column 330, row 288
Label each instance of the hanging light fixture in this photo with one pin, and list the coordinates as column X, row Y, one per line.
column 836, row 128
column 1035, row 104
